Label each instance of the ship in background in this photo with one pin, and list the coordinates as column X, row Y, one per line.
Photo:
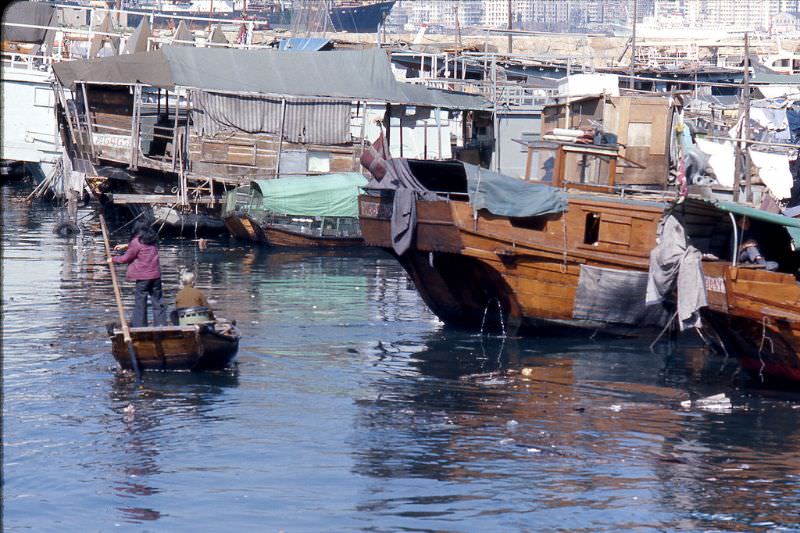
column 353, row 16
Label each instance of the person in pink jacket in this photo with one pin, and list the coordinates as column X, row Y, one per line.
column 144, row 268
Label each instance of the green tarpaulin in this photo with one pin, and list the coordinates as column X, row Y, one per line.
column 328, row 195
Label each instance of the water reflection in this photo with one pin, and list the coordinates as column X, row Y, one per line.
column 148, row 418
column 353, row 409
column 589, row 438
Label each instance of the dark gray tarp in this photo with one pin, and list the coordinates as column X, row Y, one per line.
column 407, row 189
column 149, row 68
column 615, row 296
column 31, row 13
column 511, row 197
column 345, row 74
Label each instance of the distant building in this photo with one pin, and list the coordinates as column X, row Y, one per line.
column 740, row 14
column 413, row 14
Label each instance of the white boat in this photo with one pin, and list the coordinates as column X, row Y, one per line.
column 30, row 135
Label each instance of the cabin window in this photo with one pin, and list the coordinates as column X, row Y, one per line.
column 591, row 232
column 293, row 162
column 319, row 161
column 43, row 97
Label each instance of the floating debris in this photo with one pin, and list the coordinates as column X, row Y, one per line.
column 716, row 403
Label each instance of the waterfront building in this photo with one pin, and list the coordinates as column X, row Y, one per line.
column 741, row 14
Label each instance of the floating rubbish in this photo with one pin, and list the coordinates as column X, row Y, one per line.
column 616, row 408
column 512, row 424
column 716, row 403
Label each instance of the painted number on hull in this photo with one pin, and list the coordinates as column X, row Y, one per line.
column 376, row 210
column 715, row 284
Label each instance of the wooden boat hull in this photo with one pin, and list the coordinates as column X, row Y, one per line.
column 169, row 348
column 754, row 315
column 281, row 236
column 473, row 269
column 245, row 227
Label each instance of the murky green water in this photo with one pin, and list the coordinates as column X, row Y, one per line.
column 352, row 409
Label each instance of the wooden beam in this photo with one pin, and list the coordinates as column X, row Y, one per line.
column 120, row 199
column 88, row 121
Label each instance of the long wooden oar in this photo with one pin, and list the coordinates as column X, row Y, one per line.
column 126, row 333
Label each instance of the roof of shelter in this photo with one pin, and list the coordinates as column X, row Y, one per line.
column 342, row 74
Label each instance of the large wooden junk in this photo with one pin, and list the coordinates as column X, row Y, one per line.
column 180, row 125
column 570, row 249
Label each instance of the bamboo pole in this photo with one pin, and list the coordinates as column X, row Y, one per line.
column 126, row 333
column 280, row 139
column 747, row 159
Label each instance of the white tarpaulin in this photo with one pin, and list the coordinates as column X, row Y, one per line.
column 720, row 160
column 774, row 171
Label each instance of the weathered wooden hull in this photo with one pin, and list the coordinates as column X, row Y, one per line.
column 280, row 236
column 756, row 317
column 170, row 348
column 242, row 226
column 469, row 267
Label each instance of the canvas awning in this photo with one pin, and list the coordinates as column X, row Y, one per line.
column 329, row 195
column 340, row 74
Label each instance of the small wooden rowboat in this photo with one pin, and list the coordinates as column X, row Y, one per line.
column 206, row 346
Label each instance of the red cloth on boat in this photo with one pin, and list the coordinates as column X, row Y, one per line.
column 143, row 259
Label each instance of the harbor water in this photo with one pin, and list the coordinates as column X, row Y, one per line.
column 352, row 408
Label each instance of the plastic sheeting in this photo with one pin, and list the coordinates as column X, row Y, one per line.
column 329, row 195
column 774, row 171
column 615, row 296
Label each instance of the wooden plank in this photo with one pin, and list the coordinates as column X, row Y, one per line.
column 170, row 199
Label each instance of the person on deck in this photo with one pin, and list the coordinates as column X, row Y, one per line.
column 144, row 267
column 749, row 254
